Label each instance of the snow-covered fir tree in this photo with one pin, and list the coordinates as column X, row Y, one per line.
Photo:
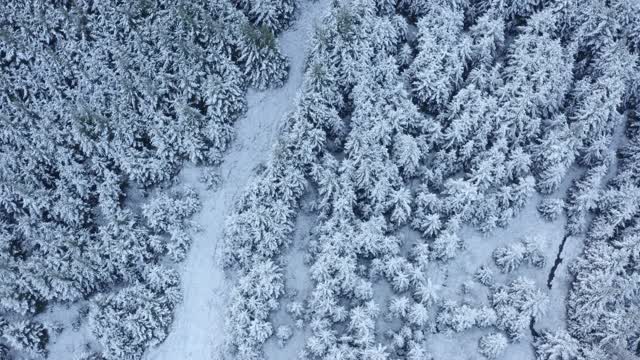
column 28, row 336
column 131, row 320
column 493, row 345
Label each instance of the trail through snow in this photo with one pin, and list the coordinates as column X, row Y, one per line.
column 197, row 331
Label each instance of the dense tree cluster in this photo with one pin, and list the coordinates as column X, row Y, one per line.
column 509, row 258
column 27, row 336
column 130, row 320
column 415, row 120
column 458, row 318
column 102, row 101
column 516, row 304
column 274, row 15
column 603, row 305
column 429, row 116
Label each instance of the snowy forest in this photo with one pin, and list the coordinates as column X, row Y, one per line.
column 320, row 179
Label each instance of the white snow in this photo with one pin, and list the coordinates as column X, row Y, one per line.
column 463, row 346
column 70, row 342
column 479, row 249
column 299, row 285
column 198, row 329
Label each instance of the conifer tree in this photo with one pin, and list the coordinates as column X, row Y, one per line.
column 28, row 336
column 443, row 50
column 492, row 345
column 557, row 345
column 275, row 15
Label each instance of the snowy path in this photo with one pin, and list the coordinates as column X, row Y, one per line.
column 197, row 332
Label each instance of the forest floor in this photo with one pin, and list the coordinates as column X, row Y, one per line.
column 198, row 329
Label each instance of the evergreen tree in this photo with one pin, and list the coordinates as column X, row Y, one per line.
column 598, row 96
column 600, row 306
column 488, row 36
column 129, row 321
column 492, row 345
column 273, row 14
column 484, row 275
column 28, row 336
column 516, row 304
column 4, row 352
column 538, row 75
column 559, row 345
column 263, row 65
column 511, row 9
column 551, row 208
column 509, row 258
column 251, row 301
column 443, row 51
column 553, row 155
column 168, row 215
column 582, row 198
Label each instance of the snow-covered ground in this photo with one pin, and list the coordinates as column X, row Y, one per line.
column 464, row 345
column 478, row 251
column 198, row 329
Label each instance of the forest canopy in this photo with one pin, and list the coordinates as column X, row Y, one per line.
column 421, row 132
